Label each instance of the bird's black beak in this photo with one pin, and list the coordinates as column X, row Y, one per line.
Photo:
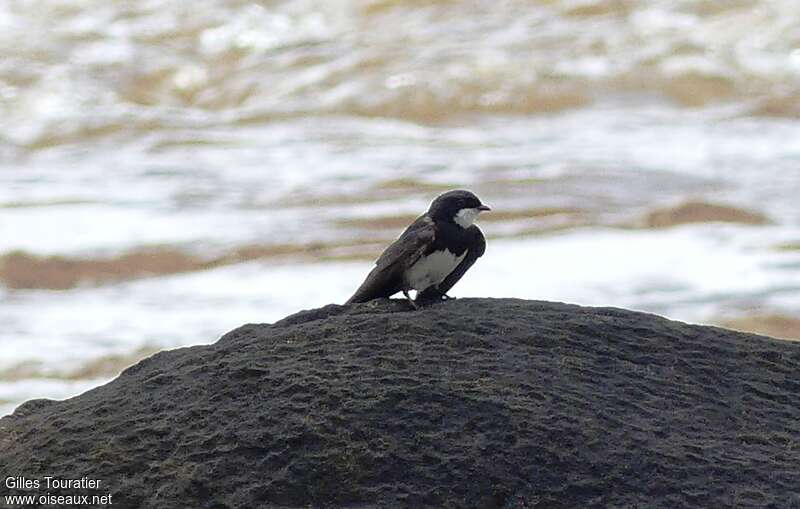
column 485, row 208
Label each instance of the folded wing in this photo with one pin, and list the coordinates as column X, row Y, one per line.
column 386, row 278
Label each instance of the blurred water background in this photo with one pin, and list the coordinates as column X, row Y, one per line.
column 170, row 170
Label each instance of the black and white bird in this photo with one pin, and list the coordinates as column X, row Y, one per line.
column 431, row 255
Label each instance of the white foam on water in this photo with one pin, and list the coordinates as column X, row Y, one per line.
column 215, row 194
column 73, row 326
column 673, row 273
column 12, row 394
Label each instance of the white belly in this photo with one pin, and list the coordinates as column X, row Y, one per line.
column 432, row 269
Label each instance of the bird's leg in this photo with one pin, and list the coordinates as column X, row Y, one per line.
column 410, row 300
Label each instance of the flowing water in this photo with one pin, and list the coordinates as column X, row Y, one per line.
column 171, row 170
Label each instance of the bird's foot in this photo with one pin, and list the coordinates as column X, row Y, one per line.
column 410, row 300
column 431, row 296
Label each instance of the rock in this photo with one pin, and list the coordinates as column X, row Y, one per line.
column 468, row 403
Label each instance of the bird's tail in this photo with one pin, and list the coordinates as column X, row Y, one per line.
column 361, row 295
column 375, row 286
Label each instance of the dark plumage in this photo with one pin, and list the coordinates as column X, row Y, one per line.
column 431, row 255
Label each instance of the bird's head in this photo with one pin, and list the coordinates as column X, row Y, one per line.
column 461, row 207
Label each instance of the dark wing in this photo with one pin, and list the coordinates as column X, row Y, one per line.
column 410, row 246
column 386, row 278
column 476, row 250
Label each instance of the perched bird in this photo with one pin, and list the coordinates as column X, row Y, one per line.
column 431, row 255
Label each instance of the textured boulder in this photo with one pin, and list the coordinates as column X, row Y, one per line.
column 468, row 403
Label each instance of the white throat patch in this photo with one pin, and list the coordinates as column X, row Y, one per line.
column 465, row 217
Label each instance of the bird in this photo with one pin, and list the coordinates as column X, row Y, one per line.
column 431, row 255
